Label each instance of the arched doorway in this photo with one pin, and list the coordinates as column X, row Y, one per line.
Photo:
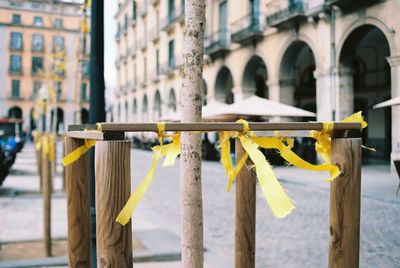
column 15, row 112
column 57, row 119
column 223, row 86
column 296, row 77
column 254, row 78
column 157, row 106
column 84, row 116
column 171, row 101
column 204, row 91
column 144, row 110
column 365, row 80
column 134, row 110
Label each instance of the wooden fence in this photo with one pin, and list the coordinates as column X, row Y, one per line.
column 113, row 184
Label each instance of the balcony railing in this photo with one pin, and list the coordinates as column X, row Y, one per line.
column 142, row 8
column 248, row 29
column 132, row 21
column 154, row 34
column 155, row 75
column 171, row 18
column 217, row 43
column 285, row 12
column 154, row 2
column 141, row 44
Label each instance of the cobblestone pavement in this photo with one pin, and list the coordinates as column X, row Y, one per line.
column 299, row 240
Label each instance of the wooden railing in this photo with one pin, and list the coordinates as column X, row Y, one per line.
column 113, row 184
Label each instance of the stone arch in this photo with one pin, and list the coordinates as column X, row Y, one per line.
column 204, row 91
column 365, row 79
column 157, row 105
column 15, row 112
column 224, row 85
column 145, row 109
column 254, row 78
column 171, row 101
column 84, row 116
column 57, row 118
column 296, row 76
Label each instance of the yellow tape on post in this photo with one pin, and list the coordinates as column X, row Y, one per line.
column 78, row 152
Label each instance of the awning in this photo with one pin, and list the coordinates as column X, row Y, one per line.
column 257, row 106
column 391, row 102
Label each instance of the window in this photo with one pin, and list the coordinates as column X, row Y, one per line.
column 134, row 10
column 58, row 43
column 83, row 92
column 145, row 69
column 36, row 86
column 15, row 84
column 37, row 42
column 38, row 21
column 15, row 64
column 58, row 23
column 157, row 63
column 16, row 41
column 16, row 18
column 37, row 65
column 58, row 90
column 85, row 68
column 171, row 10
column 126, row 22
column 171, row 59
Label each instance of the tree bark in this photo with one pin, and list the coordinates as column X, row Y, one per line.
column 190, row 169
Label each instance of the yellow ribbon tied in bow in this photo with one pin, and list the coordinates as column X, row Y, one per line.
column 170, row 152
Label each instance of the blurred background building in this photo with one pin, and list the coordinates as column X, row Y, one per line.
column 326, row 56
column 37, row 37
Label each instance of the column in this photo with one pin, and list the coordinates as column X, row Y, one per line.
column 325, row 95
column 395, row 76
column 345, row 96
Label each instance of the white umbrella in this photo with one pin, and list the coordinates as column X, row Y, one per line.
column 391, row 102
column 257, row 106
column 210, row 108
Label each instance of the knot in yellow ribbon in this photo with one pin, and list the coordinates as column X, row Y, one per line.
column 170, row 152
column 78, row 152
column 160, row 131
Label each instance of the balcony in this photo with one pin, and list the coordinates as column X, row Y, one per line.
column 248, row 29
column 155, row 75
column 285, row 14
column 141, row 44
column 154, row 34
column 154, row 2
column 168, row 68
column 178, row 14
column 217, row 44
column 118, row 36
column 132, row 22
column 142, row 8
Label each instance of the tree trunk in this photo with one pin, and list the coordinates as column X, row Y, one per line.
column 190, row 169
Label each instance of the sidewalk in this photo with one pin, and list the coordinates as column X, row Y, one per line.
column 21, row 210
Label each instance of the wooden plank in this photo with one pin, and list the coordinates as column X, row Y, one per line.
column 219, row 126
column 78, row 206
column 245, row 220
column 113, row 188
column 96, row 135
column 345, row 204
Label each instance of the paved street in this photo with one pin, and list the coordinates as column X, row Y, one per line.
column 300, row 240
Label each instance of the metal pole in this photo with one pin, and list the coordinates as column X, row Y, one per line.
column 97, row 103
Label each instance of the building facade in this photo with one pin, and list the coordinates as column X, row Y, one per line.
column 331, row 57
column 38, row 37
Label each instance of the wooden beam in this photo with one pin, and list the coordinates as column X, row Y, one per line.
column 96, row 135
column 344, row 242
column 217, row 126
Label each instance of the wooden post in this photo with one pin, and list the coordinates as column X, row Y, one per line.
column 46, row 181
column 113, row 188
column 245, row 221
column 345, row 204
column 78, row 206
column 63, row 175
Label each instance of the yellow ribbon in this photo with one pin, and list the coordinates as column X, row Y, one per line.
column 323, row 137
column 78, row 152
column 170, row 152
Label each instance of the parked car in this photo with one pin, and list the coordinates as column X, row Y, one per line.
column 11, row 142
